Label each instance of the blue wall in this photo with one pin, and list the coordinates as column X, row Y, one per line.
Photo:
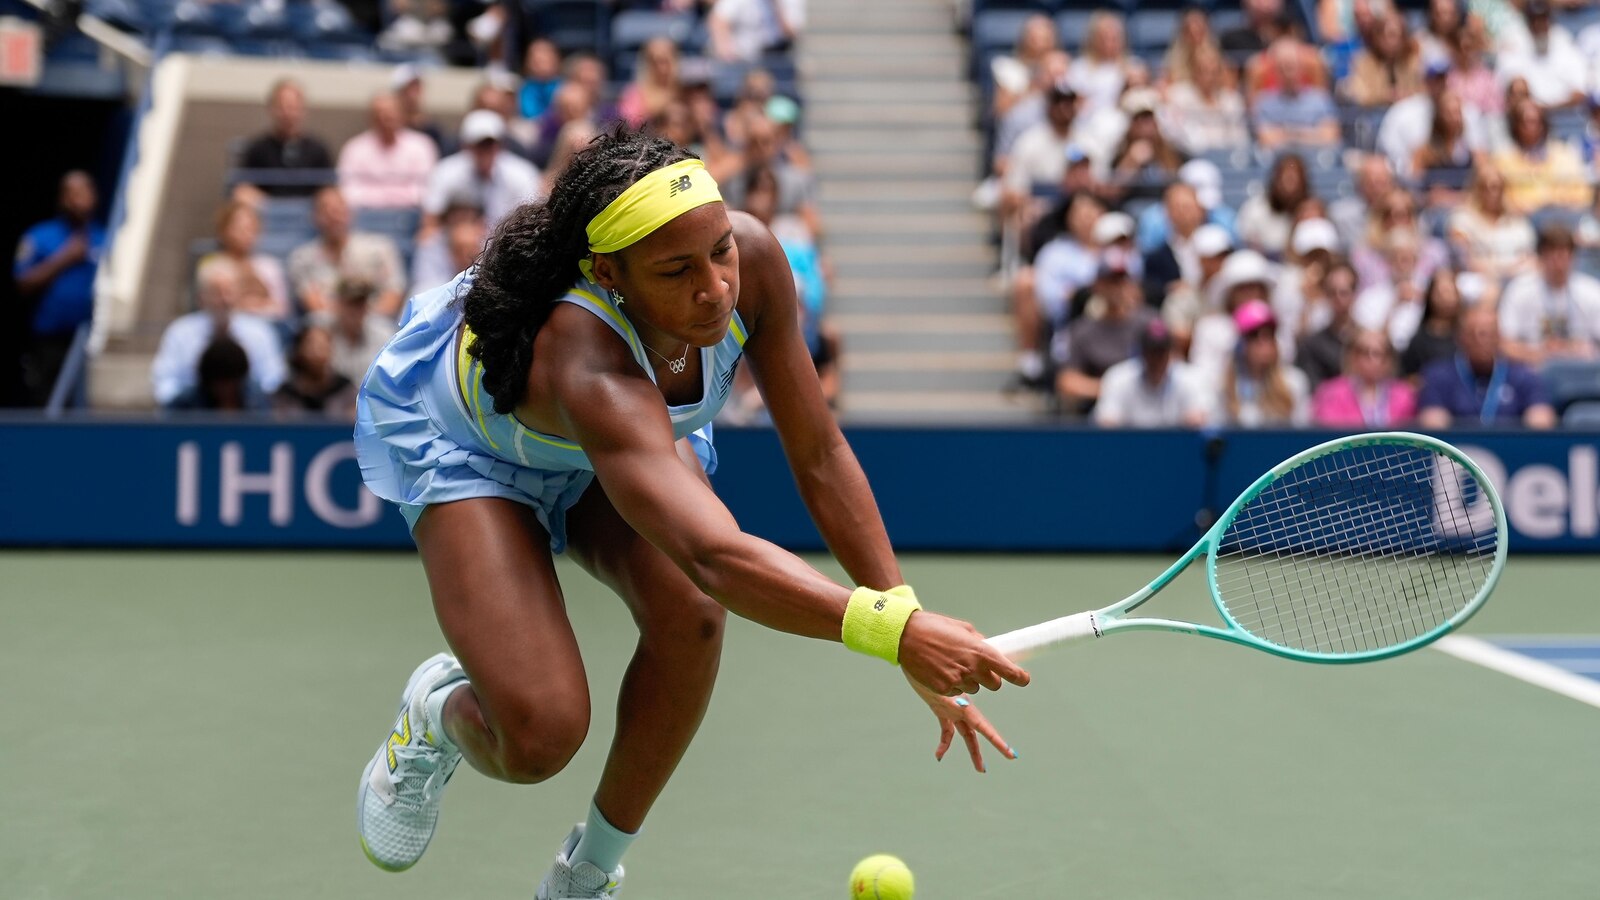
column 97, row 483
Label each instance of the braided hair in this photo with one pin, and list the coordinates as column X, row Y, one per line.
column 531, row 259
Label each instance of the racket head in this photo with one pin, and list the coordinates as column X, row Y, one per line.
column 1358, row 549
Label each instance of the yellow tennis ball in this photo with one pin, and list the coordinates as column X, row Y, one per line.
column 881, row 877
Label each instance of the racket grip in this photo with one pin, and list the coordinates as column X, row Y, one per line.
column 1025, row 641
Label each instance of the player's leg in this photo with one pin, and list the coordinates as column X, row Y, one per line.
column 667, row 686
column 524, row 712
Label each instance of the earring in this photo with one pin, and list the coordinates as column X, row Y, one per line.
column 617, row 298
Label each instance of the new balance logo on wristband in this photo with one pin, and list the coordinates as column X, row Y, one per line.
column 882, row 602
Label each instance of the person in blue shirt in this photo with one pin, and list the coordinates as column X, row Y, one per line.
column 1479, row 386
column 54, row 270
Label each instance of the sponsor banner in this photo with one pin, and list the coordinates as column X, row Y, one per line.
column 94, row 483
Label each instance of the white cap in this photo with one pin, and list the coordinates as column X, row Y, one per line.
column 404, row 74
column 1211, row 240
column 1314, row 234
column 1471, row 286
column 1206, row 179
column 1140, row 100
column 1243, row 267
column 482, row 125
column 502, row 79
column 1112, row 226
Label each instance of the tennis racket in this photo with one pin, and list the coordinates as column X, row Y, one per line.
column 1358, row 549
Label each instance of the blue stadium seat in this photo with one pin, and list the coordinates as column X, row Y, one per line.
column 1152, row 29
column 571, row 24
column 630, row 29
column 324, row 21
column 1044, row 6
column 1584, row 414
column 998, row 29
column 400, row 224
column 1073, row 26
column 1571, row 381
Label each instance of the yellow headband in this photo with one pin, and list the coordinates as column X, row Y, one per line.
column 649, row 203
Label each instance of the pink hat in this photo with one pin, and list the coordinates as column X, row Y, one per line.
column 1253, row 315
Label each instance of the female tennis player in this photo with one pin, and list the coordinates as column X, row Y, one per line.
column 595, row 340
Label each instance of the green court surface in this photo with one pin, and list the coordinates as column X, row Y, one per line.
column 193, row 725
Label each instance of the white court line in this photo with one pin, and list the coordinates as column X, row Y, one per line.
column 1523, row 668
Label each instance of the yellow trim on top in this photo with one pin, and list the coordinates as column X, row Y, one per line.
column 737, row 329
column 473, row 397
column 621, row 320
column 477, row 404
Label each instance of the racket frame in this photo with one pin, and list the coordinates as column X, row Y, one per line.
column 1097, row 623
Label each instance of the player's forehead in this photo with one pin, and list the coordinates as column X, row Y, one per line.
column 693, row 233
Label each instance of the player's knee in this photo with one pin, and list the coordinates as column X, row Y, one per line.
column 543, row 743
column 693, row 624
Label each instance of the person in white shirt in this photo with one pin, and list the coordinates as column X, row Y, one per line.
column 358, row 332
column 1406, row 126
column 741, row 30
column 1151, row 390
column 1101, row 70
column 174, row 369
column 1246, row 278
column 1551, row 312
column 1555, row 69
column 499, row 180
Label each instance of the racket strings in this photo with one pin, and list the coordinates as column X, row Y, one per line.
column 1361, row 549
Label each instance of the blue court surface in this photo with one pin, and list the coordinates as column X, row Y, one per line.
column 1578, row 654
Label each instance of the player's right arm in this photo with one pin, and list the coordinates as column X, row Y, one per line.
column 615, row 413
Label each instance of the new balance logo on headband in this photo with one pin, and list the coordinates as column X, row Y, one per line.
column 679, row 185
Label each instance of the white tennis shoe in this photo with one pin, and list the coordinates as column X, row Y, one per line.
column 583, row 881
column 397, row 804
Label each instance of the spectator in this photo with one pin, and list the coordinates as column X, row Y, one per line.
column 1485, row 234
column 796, row 189
column 1389, row 68
column 176, row 365
column 55, row 267
column 1447, row 152
column 417, row 24
column 762, row 199
column 1145, row 161
column 1101, row 69
column 1203, row 114
column 1540, row 172
column 1480, row 385
column 313, row 385
column 655, row 82
column 1151, row 390
column 498, row 94
column 222, row 380
column 1185, row 303
column 1320, row 352
column 756, row 90
column 1264, row 23
column 570, row 115
column 338, row 254
column 466, row 238
column 1014, row 75
column 742, row 30
column 1374, row 182
column 286, row 145
column 386, row 166
column 263, row 288
column 1441, row 313
column 1470, row 76
column 1096, row 343
column 1445, row 20
column 1030, row 110
column 1393, row 303
column 1367, row 396
column 434, row 263
column 1194, row 37
column 500, row 181
column 1040, row 154
column 409, row 90
column 1266, row 218
column 1395, row 220
column 358, row 331
column 1289, row 63
column 1175, row 260
column 784, row 114
column 1064, row 266
column 1294, row 114
column 1257, row 389
column 1245, row 277
column 586, row 70
column 1550, row 61
column 1407, row 125
column 541, row 76
column 1551, row 312
column 1298, row 300
column 1203, row 176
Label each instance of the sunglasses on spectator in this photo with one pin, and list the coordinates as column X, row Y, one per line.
column 1264, row 331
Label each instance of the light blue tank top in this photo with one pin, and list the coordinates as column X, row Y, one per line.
column 508, row 439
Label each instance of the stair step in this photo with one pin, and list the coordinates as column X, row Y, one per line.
column 923, row 115
column 891, row 140
column 939, row 342
column 929, row 378
column 909, row 256
column 889, row 191
column 966, row 224
column 900, row 268
column 888, row 91
column 939, row 406
column 887, row 43
column 951, row 66
column 935, row 303
column 913, row 286
column 864, row 23
column 846, row 166
column 923, row 323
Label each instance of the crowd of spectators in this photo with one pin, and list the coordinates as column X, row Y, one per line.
column 292, row 310
column 1431, row 269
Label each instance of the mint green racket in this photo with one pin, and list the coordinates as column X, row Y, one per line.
column 1358, row 549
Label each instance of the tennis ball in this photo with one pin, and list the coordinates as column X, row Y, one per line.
column 881, row 877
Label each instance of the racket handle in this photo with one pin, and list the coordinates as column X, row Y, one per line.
column 1025, row 641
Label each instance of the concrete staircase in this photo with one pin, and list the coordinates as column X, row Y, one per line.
column 889, row 121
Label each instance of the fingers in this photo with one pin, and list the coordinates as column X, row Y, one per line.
column 971, row 737
column 1009, row 669
column 947, row 733
column 980, row 723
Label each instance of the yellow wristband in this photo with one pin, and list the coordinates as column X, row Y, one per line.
column 874, row 620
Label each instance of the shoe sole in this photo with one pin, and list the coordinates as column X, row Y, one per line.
column 366, row 774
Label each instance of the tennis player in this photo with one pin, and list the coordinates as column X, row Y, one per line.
column 595, row 340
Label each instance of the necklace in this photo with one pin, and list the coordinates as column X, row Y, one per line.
column 675, row 366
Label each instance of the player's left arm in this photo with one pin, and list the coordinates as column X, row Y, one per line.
column 829, row 477
column 830, row 480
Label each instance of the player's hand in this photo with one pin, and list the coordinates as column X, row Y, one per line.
column 950, row 657
column 957, row 714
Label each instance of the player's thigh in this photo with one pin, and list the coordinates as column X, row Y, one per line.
column 666, row 605
column 501, row 610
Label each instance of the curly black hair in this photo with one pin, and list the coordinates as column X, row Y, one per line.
column 532, row 257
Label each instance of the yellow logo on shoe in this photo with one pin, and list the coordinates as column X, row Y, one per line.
column 399, row 738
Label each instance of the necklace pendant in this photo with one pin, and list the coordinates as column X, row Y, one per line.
column 678, row 365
